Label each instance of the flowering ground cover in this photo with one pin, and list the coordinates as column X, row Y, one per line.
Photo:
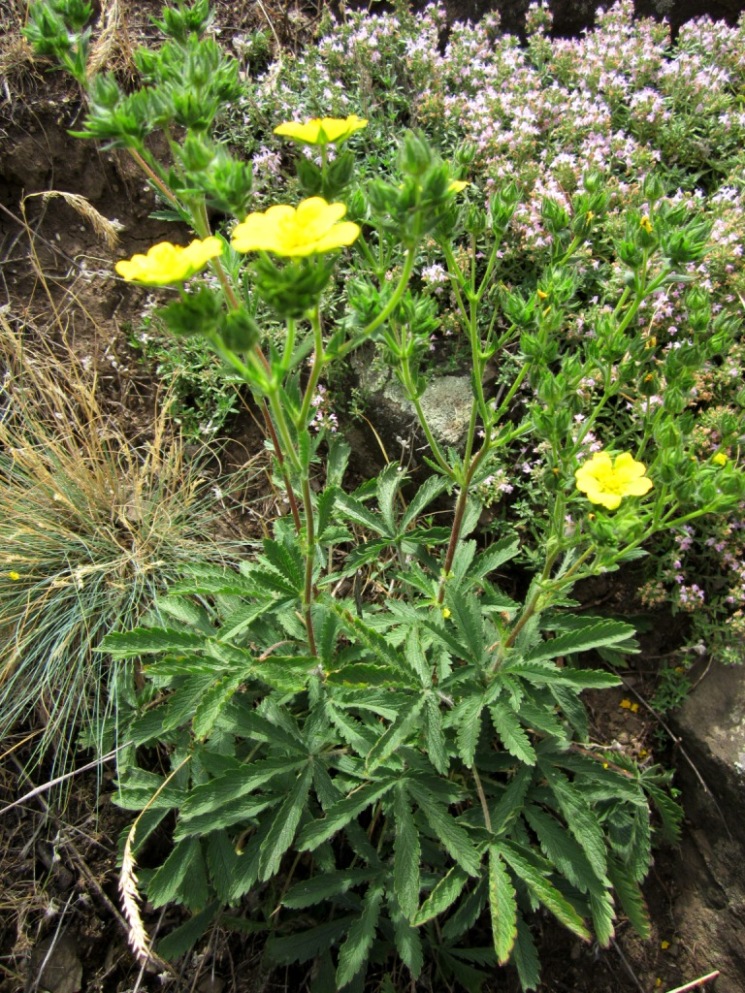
column 380, row 708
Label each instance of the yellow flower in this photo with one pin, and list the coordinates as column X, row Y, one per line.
column 321, row 130
column 312, row 228
column 606, row 481
column 646, row 224
column 14, row 576
column 719, row 459
column 457, row 185
column 166, row 263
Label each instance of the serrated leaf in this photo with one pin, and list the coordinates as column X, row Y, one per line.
column 434, row 736
column 542, row 889
column 356, row 947
column 510, row 805
column 287, row 560
column 208, row 797
column 593, row 634
column 468, row 619
column 511, row 733
column 525, row 957
column 169, row 882
column 221, row 860
column 502, row 906
column 395, row 735
column 466, row 717
column 302, row 946
column 341, row 813
column 406, row 855
column 454, row 838
column 630, row 897
column 580, row 819
column 187, row 612
column 321, row 889
column 212, row 704
column 432, row 487
column 149, row 641
column 493, row 557
column 408, row 944
column 284, row 825
column 388, row 485
column 357, row 512
column 184, row 938
column 443, row 896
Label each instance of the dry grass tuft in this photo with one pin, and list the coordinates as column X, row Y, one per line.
column 103, row 227
column 93, row 527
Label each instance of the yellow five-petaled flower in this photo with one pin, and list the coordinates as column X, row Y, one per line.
column 607, row 481
column 166, row 264
column 321, row 130
column 311, row 228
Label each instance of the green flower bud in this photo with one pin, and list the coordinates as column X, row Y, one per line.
column 415, row 155
column 293, row 289
column 196, row 314
column 310, row 176
column 238, row 330
column 555, row 217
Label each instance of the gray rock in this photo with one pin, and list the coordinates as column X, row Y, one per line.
column 446, row 404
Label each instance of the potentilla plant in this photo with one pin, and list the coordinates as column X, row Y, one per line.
column 366, row 730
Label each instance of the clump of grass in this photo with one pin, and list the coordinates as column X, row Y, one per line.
column 93, row 526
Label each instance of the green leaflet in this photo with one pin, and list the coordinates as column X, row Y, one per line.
column 591, row 633
column 354, row 951
column 341, row 813
column 319, row 889
column 522, row 863
column 509, row 729
column 149, row 641
column 395, row 735
column 406, row 855
column 454, row 837
column 443, row 895
column 284, row 825
column 581, row 820
column 502, row 906
column 182, row 877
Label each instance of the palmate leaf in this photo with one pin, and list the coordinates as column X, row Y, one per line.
column 502, row 906
column 354, row 951
column 284, row 825
column 286, row 559
column 510, row 805
column 341, row 813
column 406, row 855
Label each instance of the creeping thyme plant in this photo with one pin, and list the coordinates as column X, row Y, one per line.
column 370, row 726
